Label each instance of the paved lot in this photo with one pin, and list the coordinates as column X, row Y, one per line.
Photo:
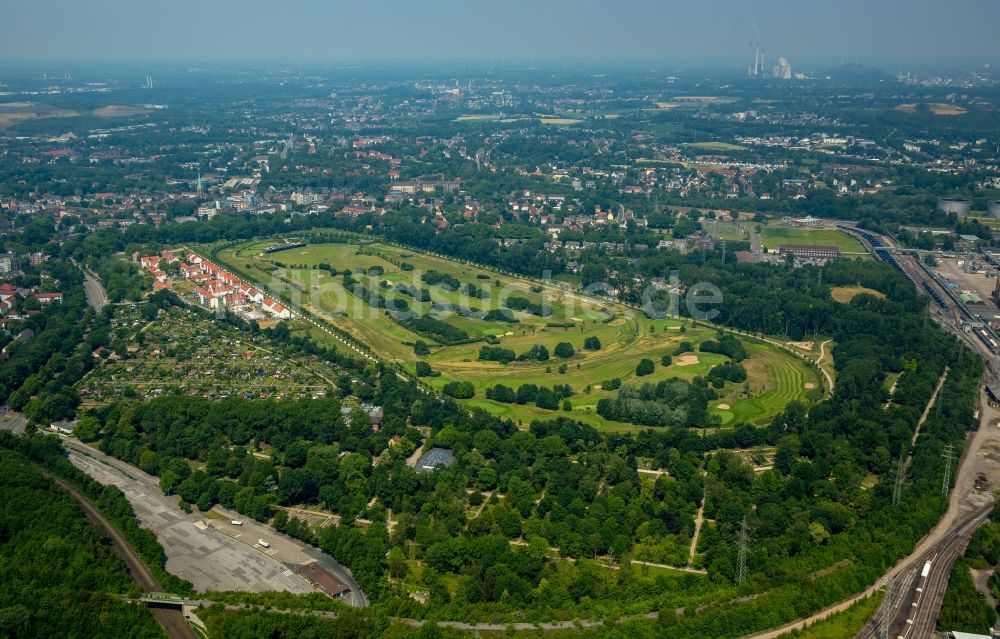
column 207, row 558
column 285, row 549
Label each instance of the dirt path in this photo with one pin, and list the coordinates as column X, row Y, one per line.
column 892, row 392
column 699, row 519
column 647, row 471
column 927, row 411
column 981, row 578
column 822, row 368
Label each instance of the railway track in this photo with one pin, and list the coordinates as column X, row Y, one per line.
column 915, row 611
column 172, row 621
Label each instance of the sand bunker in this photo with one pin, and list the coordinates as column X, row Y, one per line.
column 685, row 360
column 723, row 406
column 809, row 385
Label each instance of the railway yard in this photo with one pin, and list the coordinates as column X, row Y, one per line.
column 916, row 587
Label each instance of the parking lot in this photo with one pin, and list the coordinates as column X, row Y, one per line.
column 967, row 277
column 207, row 558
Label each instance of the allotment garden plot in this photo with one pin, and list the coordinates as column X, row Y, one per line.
column 466, row 330
column 183, row 351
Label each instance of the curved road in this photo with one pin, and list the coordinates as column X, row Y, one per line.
column 173, row 621
column 96, row 295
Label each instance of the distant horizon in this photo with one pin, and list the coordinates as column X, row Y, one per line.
column 923, row 33
column 486, row 66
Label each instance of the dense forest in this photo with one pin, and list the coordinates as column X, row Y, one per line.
column 58, row 575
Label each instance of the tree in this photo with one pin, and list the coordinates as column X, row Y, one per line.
column 645, row 367
column 460, row 390
column 964, row 607
column 592, row 343
column 423, row 369
column 420, row 348
column 87, row 428
column 564, row 350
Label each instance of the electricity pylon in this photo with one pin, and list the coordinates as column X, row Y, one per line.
column 741, row 555
column 949, row 456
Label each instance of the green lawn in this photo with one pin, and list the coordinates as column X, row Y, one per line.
column 772, row 237
column 775, row 377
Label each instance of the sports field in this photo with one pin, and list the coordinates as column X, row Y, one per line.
column 716, row 146
column 774, row 236
column 774, row 377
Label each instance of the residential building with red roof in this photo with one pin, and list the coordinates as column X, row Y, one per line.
column 48, row 298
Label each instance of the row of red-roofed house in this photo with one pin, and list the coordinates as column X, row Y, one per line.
column 9, row 293
column 215, row 288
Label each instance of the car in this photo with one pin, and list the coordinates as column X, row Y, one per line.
column 236, row 522
column 261, row 542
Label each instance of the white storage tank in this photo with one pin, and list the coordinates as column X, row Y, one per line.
column 993, row 208
column 958, row 207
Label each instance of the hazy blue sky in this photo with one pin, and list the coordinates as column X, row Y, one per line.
column 718, row 31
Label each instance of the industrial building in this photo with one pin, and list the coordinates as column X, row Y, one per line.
column 323, row 580
column 810, row 253
column 434, row 459
column 782, row 70
column 955, row 634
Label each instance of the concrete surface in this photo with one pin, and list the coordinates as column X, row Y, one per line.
column 203, row 556
column 285, row 549
column 12, row 421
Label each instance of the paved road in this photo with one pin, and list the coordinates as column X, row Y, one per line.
column 96, row 295
column 205, row 557
column 173, row 621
